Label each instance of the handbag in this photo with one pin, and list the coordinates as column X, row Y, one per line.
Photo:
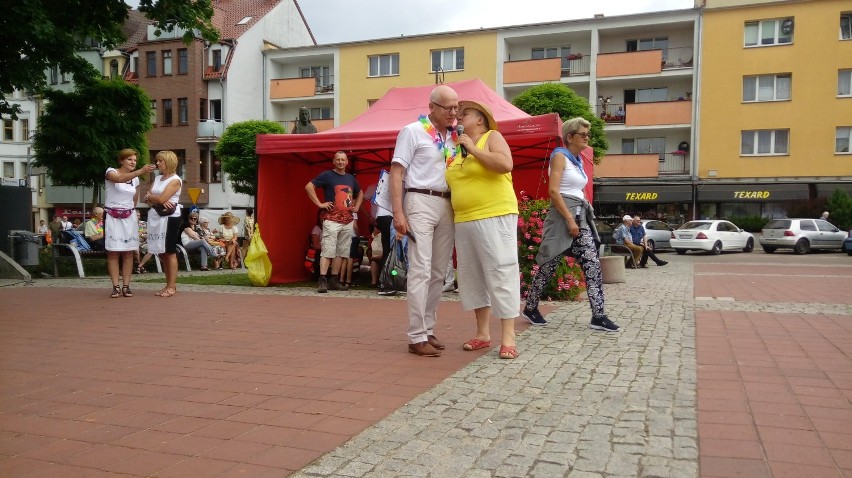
column 394, row 274
column 163, row 210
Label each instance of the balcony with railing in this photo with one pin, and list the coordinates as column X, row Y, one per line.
column 576, row 64
column 676, row 162
column 658, row 113
column 612, row 113
column 532, row 71
column 285, row 88
column 650, row 165
column 209, row 129
column 678, row 57
column 629, row 63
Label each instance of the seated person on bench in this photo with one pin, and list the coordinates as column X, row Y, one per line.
column 95, row 230
column 622, row 237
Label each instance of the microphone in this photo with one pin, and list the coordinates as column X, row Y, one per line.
column 460, row 131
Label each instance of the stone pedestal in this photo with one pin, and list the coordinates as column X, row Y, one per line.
column 612, row 269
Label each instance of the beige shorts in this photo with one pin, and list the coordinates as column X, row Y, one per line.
column 336, row 239
column 488, row 271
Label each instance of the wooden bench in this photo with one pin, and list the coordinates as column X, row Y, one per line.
column 619, row 250
column 63, row 250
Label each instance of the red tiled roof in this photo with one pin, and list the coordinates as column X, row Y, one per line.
column 229, row 12
column 135, row 28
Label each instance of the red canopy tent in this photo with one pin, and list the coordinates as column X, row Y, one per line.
column 288, row 161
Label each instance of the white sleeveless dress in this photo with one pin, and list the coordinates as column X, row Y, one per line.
column 157, row 224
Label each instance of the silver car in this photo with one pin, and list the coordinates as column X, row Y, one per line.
column 801, row 235
column 658, row 233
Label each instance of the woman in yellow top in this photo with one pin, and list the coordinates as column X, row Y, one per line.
column 486, row 217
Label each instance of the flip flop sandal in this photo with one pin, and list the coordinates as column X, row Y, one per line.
column 508, row 352
column 476, row 344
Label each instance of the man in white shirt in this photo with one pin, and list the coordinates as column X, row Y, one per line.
column 425, row 215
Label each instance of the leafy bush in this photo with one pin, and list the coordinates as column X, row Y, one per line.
column 568, row 282
column 839, row 206
column 749, row 223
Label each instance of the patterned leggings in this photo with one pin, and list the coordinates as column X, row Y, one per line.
column 582, row 249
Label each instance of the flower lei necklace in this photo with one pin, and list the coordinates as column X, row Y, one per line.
column 449, row 153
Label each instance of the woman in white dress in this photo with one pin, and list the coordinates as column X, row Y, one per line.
column 121, row 237
column 164, row 218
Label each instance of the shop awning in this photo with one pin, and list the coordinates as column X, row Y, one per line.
column 752, row 192
column 645, row 193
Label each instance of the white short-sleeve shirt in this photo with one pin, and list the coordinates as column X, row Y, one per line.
column 424, row 162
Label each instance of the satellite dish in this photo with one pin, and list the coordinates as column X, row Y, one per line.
column 787, row 26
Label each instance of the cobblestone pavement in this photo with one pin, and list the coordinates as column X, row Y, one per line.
column 575, row 403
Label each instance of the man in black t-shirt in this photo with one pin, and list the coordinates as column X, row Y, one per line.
column 343, row 198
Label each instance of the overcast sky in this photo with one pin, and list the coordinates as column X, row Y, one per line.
column 334, row 21
column 347, row 20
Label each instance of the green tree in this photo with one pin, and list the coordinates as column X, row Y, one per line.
column 558, row 98
column 81, row 132
column 839, row 205
column 236, row 151
column 39, row 34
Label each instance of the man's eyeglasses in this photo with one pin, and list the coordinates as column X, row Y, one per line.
column 584, row 135
column 448, row 109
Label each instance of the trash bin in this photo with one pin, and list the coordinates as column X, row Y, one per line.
column 25, row 246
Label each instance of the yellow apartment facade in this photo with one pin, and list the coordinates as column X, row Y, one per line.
column 775, row 106
column 637, row 71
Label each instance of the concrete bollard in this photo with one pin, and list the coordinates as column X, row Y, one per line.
column 612, row 269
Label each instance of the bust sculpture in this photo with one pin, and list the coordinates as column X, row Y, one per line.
column 303, row 123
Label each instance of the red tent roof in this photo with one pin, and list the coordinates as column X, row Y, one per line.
column 369, row 139
column 288, row 161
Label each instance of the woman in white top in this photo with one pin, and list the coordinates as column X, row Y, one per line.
column 568, row 229
column 229, row 237
column 121, row 238
column 164, row 218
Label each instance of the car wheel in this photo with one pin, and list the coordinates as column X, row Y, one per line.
column 651, row 246
column 717, row 248
column 749, row 245
column 768, row 250
column 802, row 247
column 680, row 252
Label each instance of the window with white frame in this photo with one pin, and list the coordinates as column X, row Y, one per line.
column 553, row 52
column 65, row 77
column 8, row 169
column 183, row 111
column 448, row 60
column 320, row 113
column 765, row 142
column 648, row 95
column 167, row 62
column 769, row 32
column 25, row 129
column 844, row 82
column 643, row 145
column 384, row 65
column 8, row 130
column 321, row 73
column 846, row 26
column 54, row 75
column 767, row 87
column 841, row 139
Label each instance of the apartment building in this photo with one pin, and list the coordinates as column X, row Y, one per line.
column 637, row 71
column 775, row 104
column 198, row 89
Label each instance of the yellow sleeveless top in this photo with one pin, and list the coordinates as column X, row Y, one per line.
column 478, row 192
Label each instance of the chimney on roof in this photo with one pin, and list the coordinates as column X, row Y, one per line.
column 599, row 15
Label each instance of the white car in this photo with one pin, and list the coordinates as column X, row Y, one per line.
column 712, row 236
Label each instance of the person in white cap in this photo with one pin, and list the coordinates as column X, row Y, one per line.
column 622, row 236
